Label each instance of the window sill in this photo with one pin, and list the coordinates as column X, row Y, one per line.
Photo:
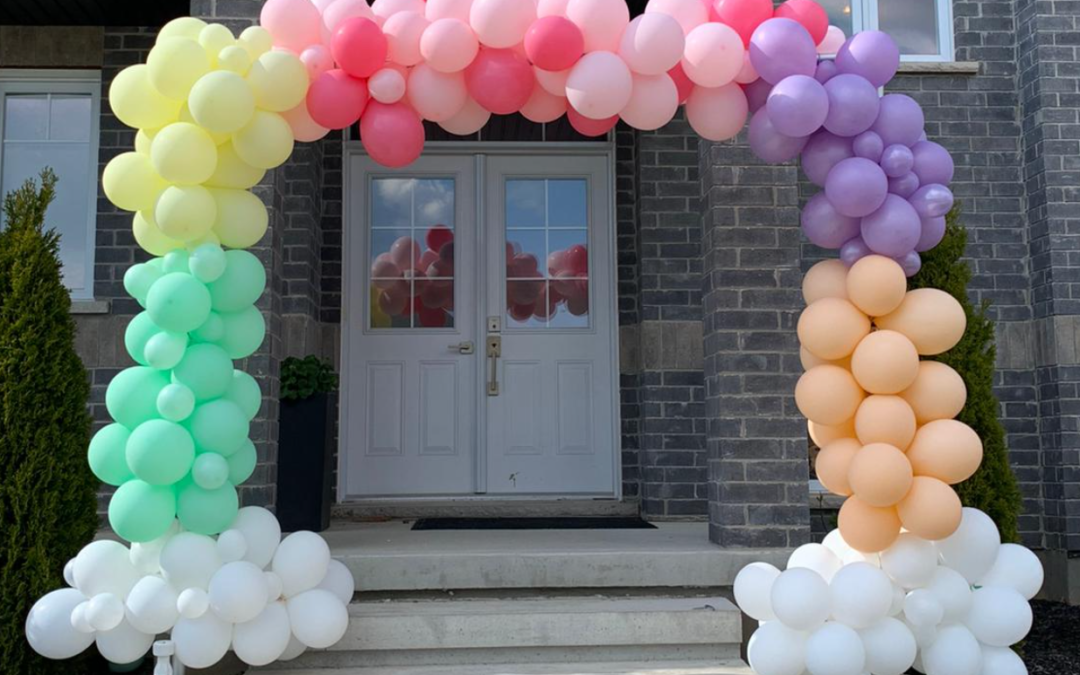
column 939, row 68
column 90, row 307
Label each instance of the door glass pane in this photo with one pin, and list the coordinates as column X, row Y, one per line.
column 912, row 23
column 69, row 118
column 840, row 14
column 26, row 117
column 412, row 253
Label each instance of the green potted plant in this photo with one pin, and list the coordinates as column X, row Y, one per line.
column 305, row 438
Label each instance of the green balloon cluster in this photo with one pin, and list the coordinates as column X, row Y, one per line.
column 179, row 444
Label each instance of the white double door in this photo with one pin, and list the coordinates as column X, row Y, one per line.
column 479, row 348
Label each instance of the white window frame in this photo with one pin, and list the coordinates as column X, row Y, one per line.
column 59, row 81
column 864, row 16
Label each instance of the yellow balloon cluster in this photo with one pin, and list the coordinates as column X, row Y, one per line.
column 207, row 108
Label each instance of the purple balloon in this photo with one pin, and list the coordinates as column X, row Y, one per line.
column 757, row 93
column 857, row 187
column 933, row 163
column 769, row 144
column 853, row 251
column 933, row 231
column 798, row 105
column 932, row 201
column 869, row 145
column 871, row 54
column 822, row 152
column 824, row 226
column 892, row 230
column 897, row 161
column 781, row 48
column 826, row 70
column 905, row 185
column 911, row 263
column 853, row 105
column 900, row 120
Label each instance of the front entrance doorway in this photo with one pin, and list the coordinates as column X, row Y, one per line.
column 479, row 344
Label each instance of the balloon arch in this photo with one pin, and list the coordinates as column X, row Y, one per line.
column 908, row 578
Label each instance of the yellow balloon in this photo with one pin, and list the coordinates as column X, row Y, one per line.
column 256, row 40
column 185, row 212
column 233, row 172
column 279, row 80
column 242, row 218
column 222, row 101
column 185, row 27
column 218, row 137
column 265, row 142
column 130, row 182
column 236, row 59
column 213, row 39
column 137, row 103
column 175, row 65
column 150, row 238
column 184, row 153
column 143, row 139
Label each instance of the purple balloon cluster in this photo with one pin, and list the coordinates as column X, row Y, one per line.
column 885, row 186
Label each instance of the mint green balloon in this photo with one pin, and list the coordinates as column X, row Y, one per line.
column 211, row 330
column 207, row 511
column 245, row 392
column 138, row 334
column 176, row 402
column 242, row 463
column 178, row 302
column 207, row 262
column 206, row 370
column 210, row 470
column 138, row 280
column 140, row 512
column 219, row 426
column 244, row 332
column 160, row 452
column 240, row 285
column 175, row 260
column 131, row 397
column 164, row 350
column 106, row 455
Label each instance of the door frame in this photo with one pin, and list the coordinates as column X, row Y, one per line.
column 477, row 151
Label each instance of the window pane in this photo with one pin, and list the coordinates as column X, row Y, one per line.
column 566, row 203
column 391, row 203
column 26, row 117
column 912, row 23
column 69, row 118
column 524, row 204
column 840, row 14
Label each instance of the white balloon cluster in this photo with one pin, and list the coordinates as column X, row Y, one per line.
column 951, row 607
column 248, row 590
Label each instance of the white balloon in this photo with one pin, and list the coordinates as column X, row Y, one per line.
column 835, row 649
column 124, row 643
column 1015, row 567
column 999, row 616
column 301, row 561
column 922, row 608
column 192, row 603
column 202, row 642
column 232, row 546
column 103, row 566
column 69, row 573
column 953, row 592
column 146, row 556
column 263, row 639
column 775, row 649
column 818, row 558
column 293, row 650
column 238, row 591
column 339, row 581
column 924, row 635
column 261, row 531
column 753, row 586
column 318, row 619
column 955, row 651
column 897, row 605
column 78, row 618
column 910, row 561
column 800, row 599
column 1001, row 661
column 861, row 595
column 890, row 647
column 105, row 611
column 972, row 549
column 49, row 629
column 189, row 560
column 151, row 606
column 273, row 586
column 834, row 541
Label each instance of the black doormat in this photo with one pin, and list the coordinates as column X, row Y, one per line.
column 595, row 523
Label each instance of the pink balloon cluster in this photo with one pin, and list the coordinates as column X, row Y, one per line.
column 567, row 283
column 412, row 280
column 396, row 63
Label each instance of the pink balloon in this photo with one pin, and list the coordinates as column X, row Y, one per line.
column 554, row 43
column 711, row 9
column 469, row 120
column 748, row 73
column 552, row 82
column 599, row 85
column 717, row 113
column 551, row 8
column 447, row 9
column 384, row 9
column 405, row 253
column 586, row 126
column 652, row 44
column 449, row 45
column 834, row 39
column 336, row 100
column 436, row 96
column 601, row 21
column 303, row 127
column 543, row 107
column 690, row 15
column 294, row 24
column 392, row 134
column 385, row 273
column 321, row 5
column 653, row 102
column 387, row 85
column 744, row 15
column 317, row 59
column 500, row 80
column 501, row 23
column 403, row 31
column 714, row 55
column 359, row 47
column 340, row 10
column 682, row 82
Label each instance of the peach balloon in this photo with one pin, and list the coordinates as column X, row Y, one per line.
column 340, row 10
column 831, row 328
column 602, row 22
column 501, row 23
column 543, row 107
column 717, row 113
column 403, row 31
column 748, row 74
column 822, row 435
column 470, row 119
column 304, row 128
column 653, row 102
column 599, row 85
column 876, row 284
column 885, row 362
column 448, row 45
column 652, row 44
column 384, row 9
column 869, row 529
column 690, row 15
column 938, row 393
column 436, row 96
column 880, row 475
column 826, row 279
column 885, row 419
column 833, row 464
column 931, row 509
column 948, row 450
column 714, row 55
column 828, row 395
column 447, row 9
column 551, row 8
column 553, row 81
column 808, row 360
column 931, row 318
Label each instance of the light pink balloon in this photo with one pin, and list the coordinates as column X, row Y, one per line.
column 543, row 107
column 384, row 9
column 448, row 9
column 689, row 14
column 652, row 44
column 303, row 127
column 294, row 24
column 317, row 59
column 602, row 22
column 748, row 73
column 501, row 23
column 653, row 102
column 599, row 85
column 834, row 39
column 717, row 113
column 551, row 8
column 448, row 45
column 436, row 96
column 340, row 10
column 387, row 85
column 553, row 82
column 321, row 5
column 469, row 120
column 403, row 31
column 714, row 55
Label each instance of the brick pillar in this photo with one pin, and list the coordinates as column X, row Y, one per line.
column 757, row 440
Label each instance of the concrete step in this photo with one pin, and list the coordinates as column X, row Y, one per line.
column 730, row 667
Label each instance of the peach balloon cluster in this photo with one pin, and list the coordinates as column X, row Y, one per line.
column 882, row 417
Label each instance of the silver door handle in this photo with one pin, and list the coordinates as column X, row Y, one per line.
column 463, row 348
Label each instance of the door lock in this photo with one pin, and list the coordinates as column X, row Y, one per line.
column 463, row 348
column 494, row 351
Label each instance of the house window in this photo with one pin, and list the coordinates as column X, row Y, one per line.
column 922, row 28
column 50, row 118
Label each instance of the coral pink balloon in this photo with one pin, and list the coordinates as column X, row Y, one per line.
column 500, row 80
column 810, row 14
column 392, row 134
column 501, row 23
column 447, row 9
column 359, row 47
column 653, row 102
column 717, row 113
column 690, row 15
column 403, row 31
column 834, row 39
column 682, row 82
column 652, row 44
column 601, row 21
column 469, row 120
column 317, row 60
column 552, row 82
column 303, row 127
column 748, row 73
column 387, row 85
column 340, row 10
column 554, row 43
column 436, row 96
column 336, row 100
column 543, row 107
column 744, row 15
column 714, row 55
column 384, row 9
column 586, row 126
column 449, row 45
column 599, row 85
column 551, row 8
column 294, row 24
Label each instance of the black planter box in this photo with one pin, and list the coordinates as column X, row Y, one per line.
column 304, row 463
